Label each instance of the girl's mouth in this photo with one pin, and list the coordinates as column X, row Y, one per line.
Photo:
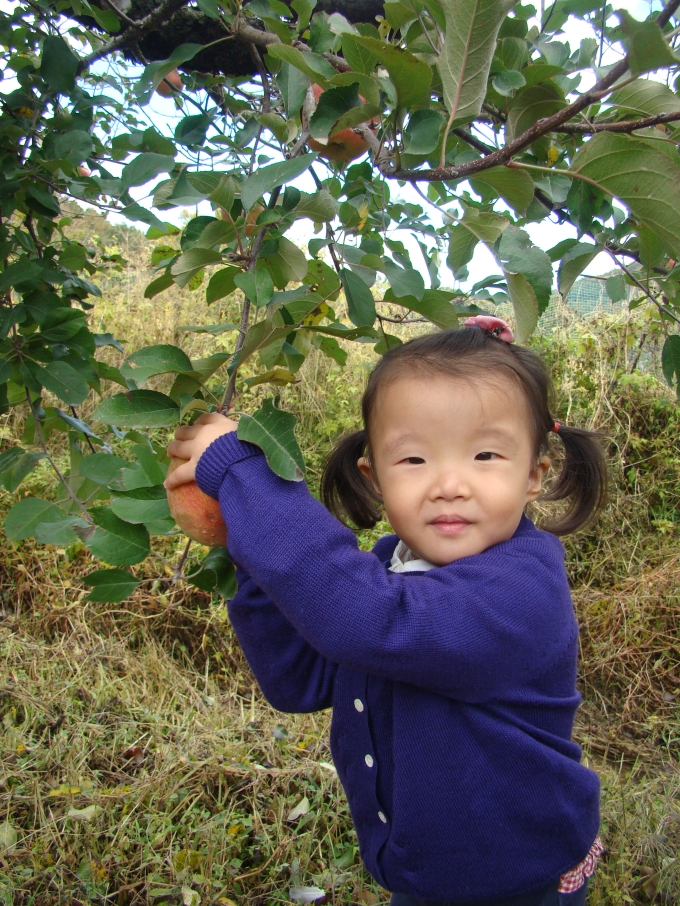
column 450, row 525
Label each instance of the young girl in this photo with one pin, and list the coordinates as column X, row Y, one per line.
column 449, row 652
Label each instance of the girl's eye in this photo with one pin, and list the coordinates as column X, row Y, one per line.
column 485, row 457
column 414, row 460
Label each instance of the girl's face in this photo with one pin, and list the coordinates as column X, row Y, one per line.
column 453, row 463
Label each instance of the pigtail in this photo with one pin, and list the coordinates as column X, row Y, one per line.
column 344, row 489
column 582, row 481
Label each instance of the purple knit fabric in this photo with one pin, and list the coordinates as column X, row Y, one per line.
column 453, row 690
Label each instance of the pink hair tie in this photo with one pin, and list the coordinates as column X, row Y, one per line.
column 496, row 326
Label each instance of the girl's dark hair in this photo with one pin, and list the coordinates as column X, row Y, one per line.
column 471, row 353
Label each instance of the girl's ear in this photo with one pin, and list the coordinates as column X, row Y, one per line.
column 365, row 468
column 535, row 485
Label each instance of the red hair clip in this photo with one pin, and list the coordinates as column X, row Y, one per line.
column 496, row 326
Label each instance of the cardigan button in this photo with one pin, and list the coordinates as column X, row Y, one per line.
column 368, row 760
column 358, row 704
column 382, row 817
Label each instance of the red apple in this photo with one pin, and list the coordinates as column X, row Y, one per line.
column 195, row 513
column 343, row 147
column 176, row 84
column 83, row 171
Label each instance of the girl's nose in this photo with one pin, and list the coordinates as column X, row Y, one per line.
column 450, row 483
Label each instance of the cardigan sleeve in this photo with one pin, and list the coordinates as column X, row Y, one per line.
column 472, row 630
column 292, row 675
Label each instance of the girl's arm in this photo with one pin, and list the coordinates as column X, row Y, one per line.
column 292, row 675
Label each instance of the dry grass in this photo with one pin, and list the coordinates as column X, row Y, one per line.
column 138, row 761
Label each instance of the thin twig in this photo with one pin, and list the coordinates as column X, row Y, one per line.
column 43, row 446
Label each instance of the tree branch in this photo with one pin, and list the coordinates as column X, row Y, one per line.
column 133, row 34
column 543, row 126
column 623, row 126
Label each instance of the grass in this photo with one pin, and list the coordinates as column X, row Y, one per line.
column 140, row 764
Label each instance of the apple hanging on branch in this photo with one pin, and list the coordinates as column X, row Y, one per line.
column 170, row 84
column 195, row 513
column 344, row 146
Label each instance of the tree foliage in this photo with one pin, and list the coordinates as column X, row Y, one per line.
column 493, row 118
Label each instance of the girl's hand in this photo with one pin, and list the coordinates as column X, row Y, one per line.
column 191, row 441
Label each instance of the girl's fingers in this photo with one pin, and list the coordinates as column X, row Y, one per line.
column 182, row 474
column 185, row 432
column 182, row 449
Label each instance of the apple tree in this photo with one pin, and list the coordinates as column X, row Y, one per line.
column 450, row 122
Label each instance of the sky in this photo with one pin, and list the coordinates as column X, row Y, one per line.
column 545, row 234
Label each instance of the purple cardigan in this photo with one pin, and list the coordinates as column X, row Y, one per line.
column 453, row 690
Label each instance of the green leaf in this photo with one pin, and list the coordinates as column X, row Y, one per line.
column 221, row 284
column 287, row 264
column 141, row 504
column 483, row 225
column 653, row 249
column 574, row 262
column 312, row 65
column 616, row 288
column 259, row 336
column 514, row 186
column 331, row 348
column 359, row 57
column 508, row 82
column 102, row 468
column 644, row 41
column 403, row 282
column 15, row 465
column 113, row 540
column 519, row 256
column 193, row 260
column 58, row 65
column 645, row 97
column 62, row 531
column 421, row 136
column 224, row 193
column 644, row 179
column 75, row 146
column 525, row 305
column 157, row 71
column 273, row 431
column 360, row 302
column 109, row 586
column 320, row 207
column 670, row 361
column 293, row 85
column 65, row 382
column 138, row 409
column 330, row 107
column 191, row 130
column 217, row 574
column 267, row 178
column 144, row 168
column 532, row 104
column 472, row 27
column 462, row 245
column 23, row 519
column 436, row 305
column 410, row 76
column 158, row 285
column 257, row 286
column 152, row 360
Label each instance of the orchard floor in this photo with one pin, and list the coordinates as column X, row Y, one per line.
column 139, row 763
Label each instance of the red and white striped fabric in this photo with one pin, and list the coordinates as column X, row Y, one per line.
column 575, row 878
